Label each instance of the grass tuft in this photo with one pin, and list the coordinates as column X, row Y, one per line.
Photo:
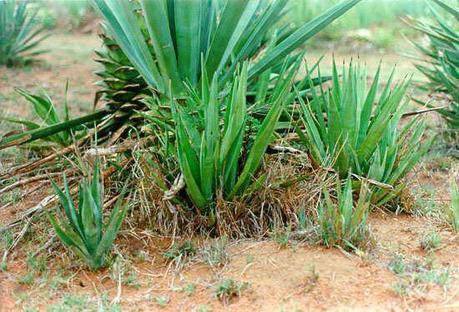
column 228, row 289
column 431, row 241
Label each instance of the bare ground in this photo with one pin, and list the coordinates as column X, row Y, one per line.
column 298, row 277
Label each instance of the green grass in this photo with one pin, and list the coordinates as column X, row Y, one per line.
column 418, row 275
column 362, row 16
column 282, row 237
column 6, row 242
column 162, row 301
column 177, row 252
column 80, row 303
column 431, row 241
column 189, row 289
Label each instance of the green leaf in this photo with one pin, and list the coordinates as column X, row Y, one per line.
column 116, row 219
column 156, row 16
column 120, row 19
column 300, row 36
column 264, row 135
column 43, row 107
column 234, row 19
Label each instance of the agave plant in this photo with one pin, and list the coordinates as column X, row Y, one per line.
column 121, row 83
column 20, row 33
column 168, row 42
column 343, row 223
column 441, row 57
column 352, row 130
column 85, row 232
column 182, row 31
column 212, row 151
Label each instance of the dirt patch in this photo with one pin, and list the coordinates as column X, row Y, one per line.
column 299, row 277
column 69, row 58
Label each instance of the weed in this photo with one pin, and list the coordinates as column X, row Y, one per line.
column 122, row 271
column 397, row 264
column 227, row 289
column 360, row 134
column 6, row 242
column 216, row 254
column 311, row 280
column 189, row 289
column 162, row 301
column 141, row 255
column 431, row 241
column 104, row 304
column 7, row 239
column 38, row 264
column 383, row 38
column 439, row 59
column 3, row 265
column 59, row 280
column 20, row 296
column 454, row 212
column 361, row 17
column 400, row 288
column 282, row 237
column 27, row 279
column 425, row 204
column 77, row 303
column 201, row 308
column 180, row 251
column 20, row 33
column 44, row 109
column 416, row 275
column 132, row 280
column 12, row 197
column 70, row 303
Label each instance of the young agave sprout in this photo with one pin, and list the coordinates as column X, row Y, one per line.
column 353, row 130
column 44, row 108
column 342, row 223
column 84, row 232
column 212, row 138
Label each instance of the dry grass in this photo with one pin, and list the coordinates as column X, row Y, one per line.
column 291, row 186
